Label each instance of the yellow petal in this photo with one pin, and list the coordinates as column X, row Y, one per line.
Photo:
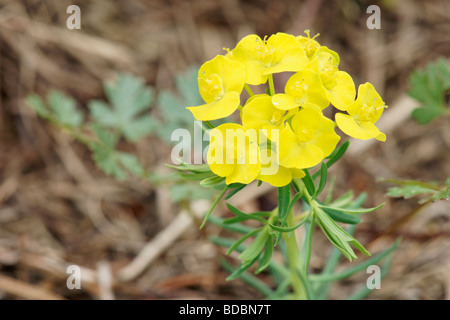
column 284, row 101
column 312, row 127
column 297, row 173
column 219, row 76
column 307, row 87
column 234, row 153
column 289, row 54
column 260, row 113
column 251, row 51
column 343, row 94
column 243, row 173
column 271, row 171
column 281, row 52
column 296, row 154
column 368, row 106
column 280, row 179
column 356, row 129
column 217, row 109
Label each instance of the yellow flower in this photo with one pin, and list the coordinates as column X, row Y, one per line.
column 362, row 114
column 281, row 52
column 302, row 88
column 338, row 84
column 220, row 81
column 260, row 113
column 310, row 140
column 234, row 153
column 273, row 173
column 310, row 45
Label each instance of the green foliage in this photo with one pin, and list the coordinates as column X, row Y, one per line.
column 259, row 241
column 427, row 191
column 172, row 106
column 127, row 115
column 128, row 112
column 105, row 125
column 57, row 108
column 429, row 86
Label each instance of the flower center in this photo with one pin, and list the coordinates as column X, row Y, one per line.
column 327, row 74
column 264, row 52
column 212, row 86
column 369, row 112
column 299, row 88
column 277, row 116
column 305, row 135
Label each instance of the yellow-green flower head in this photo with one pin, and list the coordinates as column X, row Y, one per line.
column 310, row 45
column 309, row 141
column 338, row 85
column 281, row 52
column 302, row 88
column 362, row 114
column 234, row 153
column 275, row 174
column 260, row 113
column 220, row 81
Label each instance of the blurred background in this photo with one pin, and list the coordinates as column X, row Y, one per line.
column 58, row 209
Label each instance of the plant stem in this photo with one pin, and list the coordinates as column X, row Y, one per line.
column 208, row 124
column 294, row 260
column 249, row 91
column 271, row 85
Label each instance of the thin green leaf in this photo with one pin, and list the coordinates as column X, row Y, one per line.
column 212, row 181
column 254, row 282
column 237, row 227
column 257, row 246
column 284, row 197
column 323, row 180
column 214, row 204
column 365, row 291
column 245, row 216
column 309, row 183
column 337, row 153
column 357, row 268
column 190, row 167
column 342, row 216
column 267, row 256
column 241, row 269
column 235, row 189
column 350, row 210
column 311, row 295
column 286, row 229
column 236, row 244
column 248, row 216
column 307, row 243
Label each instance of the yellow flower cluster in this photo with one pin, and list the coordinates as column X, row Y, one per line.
column 295, row 133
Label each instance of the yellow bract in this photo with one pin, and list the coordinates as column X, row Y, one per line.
column 309, row 44
column 281, row 52
column 282, row 134
column 308, row 140
column 234, row 153
column 362, row 115
column 220, row 81
column 275, row 174
column 302, row 88
column 260, row 113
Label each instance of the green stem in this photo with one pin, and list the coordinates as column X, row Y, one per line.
column 249, row 91
column 208, row 124
column 294, row 260
column 271, row 85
